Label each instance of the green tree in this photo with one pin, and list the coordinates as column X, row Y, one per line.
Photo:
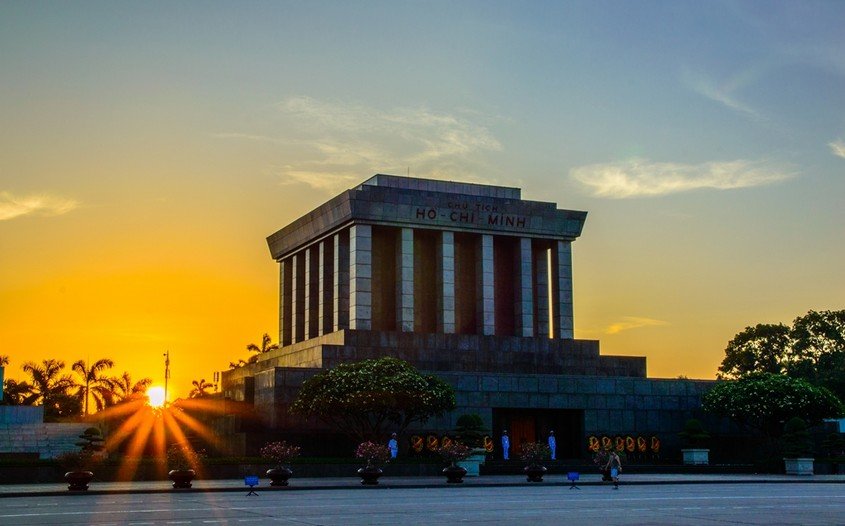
column 763, row 348
column 93, row 384
column 765, row 401
column 200, row 388
column 818, row 349
column 370, row 398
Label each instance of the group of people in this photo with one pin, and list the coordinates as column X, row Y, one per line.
column 614, row 463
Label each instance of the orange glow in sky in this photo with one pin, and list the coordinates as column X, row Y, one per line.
column 146, row 154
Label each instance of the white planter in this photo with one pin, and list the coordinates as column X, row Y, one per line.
column 696, row 457
column 798, row 466
column 472, row 462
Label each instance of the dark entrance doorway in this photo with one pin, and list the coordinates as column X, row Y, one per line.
column 533, row 425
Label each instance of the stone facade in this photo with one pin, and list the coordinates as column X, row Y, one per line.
column 469, row 282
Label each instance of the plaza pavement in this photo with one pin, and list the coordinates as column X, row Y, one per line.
column 386, row 482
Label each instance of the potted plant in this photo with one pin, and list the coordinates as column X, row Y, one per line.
column 797, row 447
column 470, row 430
column 183, row 461
column 834, row 446
column 374, row 455
column 454, row 453
column 533, row 454
column 78, row 463
column 280, row 453
column 695, row 437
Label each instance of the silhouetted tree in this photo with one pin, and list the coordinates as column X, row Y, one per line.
column 93, row 384
column 200, row 388
column 17, row 393
column 266, row 345
column 47, row 380
column 123, row 389
column 812, row 349
column 763, row 348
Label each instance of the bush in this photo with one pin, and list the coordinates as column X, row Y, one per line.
column 534, row 452
column 796, row 439
column 280, row 452
column 373, row 454
column 694, row 434
column 454, row 452
column 470, row 430
column 181, row 457
column 763, row 401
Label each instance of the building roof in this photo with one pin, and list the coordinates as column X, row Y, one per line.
column 426, row 203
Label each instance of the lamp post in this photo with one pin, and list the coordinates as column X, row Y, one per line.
column 166, row 375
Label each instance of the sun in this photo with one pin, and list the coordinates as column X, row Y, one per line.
column 155, row 396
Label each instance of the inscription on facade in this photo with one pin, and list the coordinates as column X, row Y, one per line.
column 479, row 214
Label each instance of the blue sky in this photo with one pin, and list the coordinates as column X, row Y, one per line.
column 162, row 141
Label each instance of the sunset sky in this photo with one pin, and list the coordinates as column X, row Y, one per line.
column 148, row 148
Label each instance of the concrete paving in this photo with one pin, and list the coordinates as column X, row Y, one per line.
column 352, row 482
column 483, row 503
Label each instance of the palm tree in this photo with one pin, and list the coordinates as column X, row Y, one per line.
column 123, row 389
column 4, row 360
column 200, row 388
column 266, row 346
column 93, row 384
column 17, row 393
column 47, row 386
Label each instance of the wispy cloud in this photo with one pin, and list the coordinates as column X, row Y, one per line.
column 838, row 148
column 632, row 322
column 643, row 178
column 724, row 92
column 16, row 206
column 341, row 143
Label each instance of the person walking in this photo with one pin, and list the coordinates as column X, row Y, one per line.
column 393, row 446
column 614, row 465
column 552, row 444
column 506, row 445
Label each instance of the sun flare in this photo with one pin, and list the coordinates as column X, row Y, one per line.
column 155, row 396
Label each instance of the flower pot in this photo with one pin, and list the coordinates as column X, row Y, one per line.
column 696, row 457
column 534, row 473
column 77, row 480
column 798, row 466
column 369, row 475
column 181, row 478
column 473, row 462
column 279, row 476
column 454, row 474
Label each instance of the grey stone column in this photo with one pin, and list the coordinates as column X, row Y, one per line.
column 446, row 283
column 405, row 281
column 340, row 296
column 360, row 277
column 310, row 297
column 562, row 300
column 524, row 311
column 285, row 302
column 541, row 291
column 324, row 285
column 298, row 297
column 485, row 302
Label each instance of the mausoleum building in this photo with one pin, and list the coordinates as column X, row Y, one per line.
column 470, row 282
